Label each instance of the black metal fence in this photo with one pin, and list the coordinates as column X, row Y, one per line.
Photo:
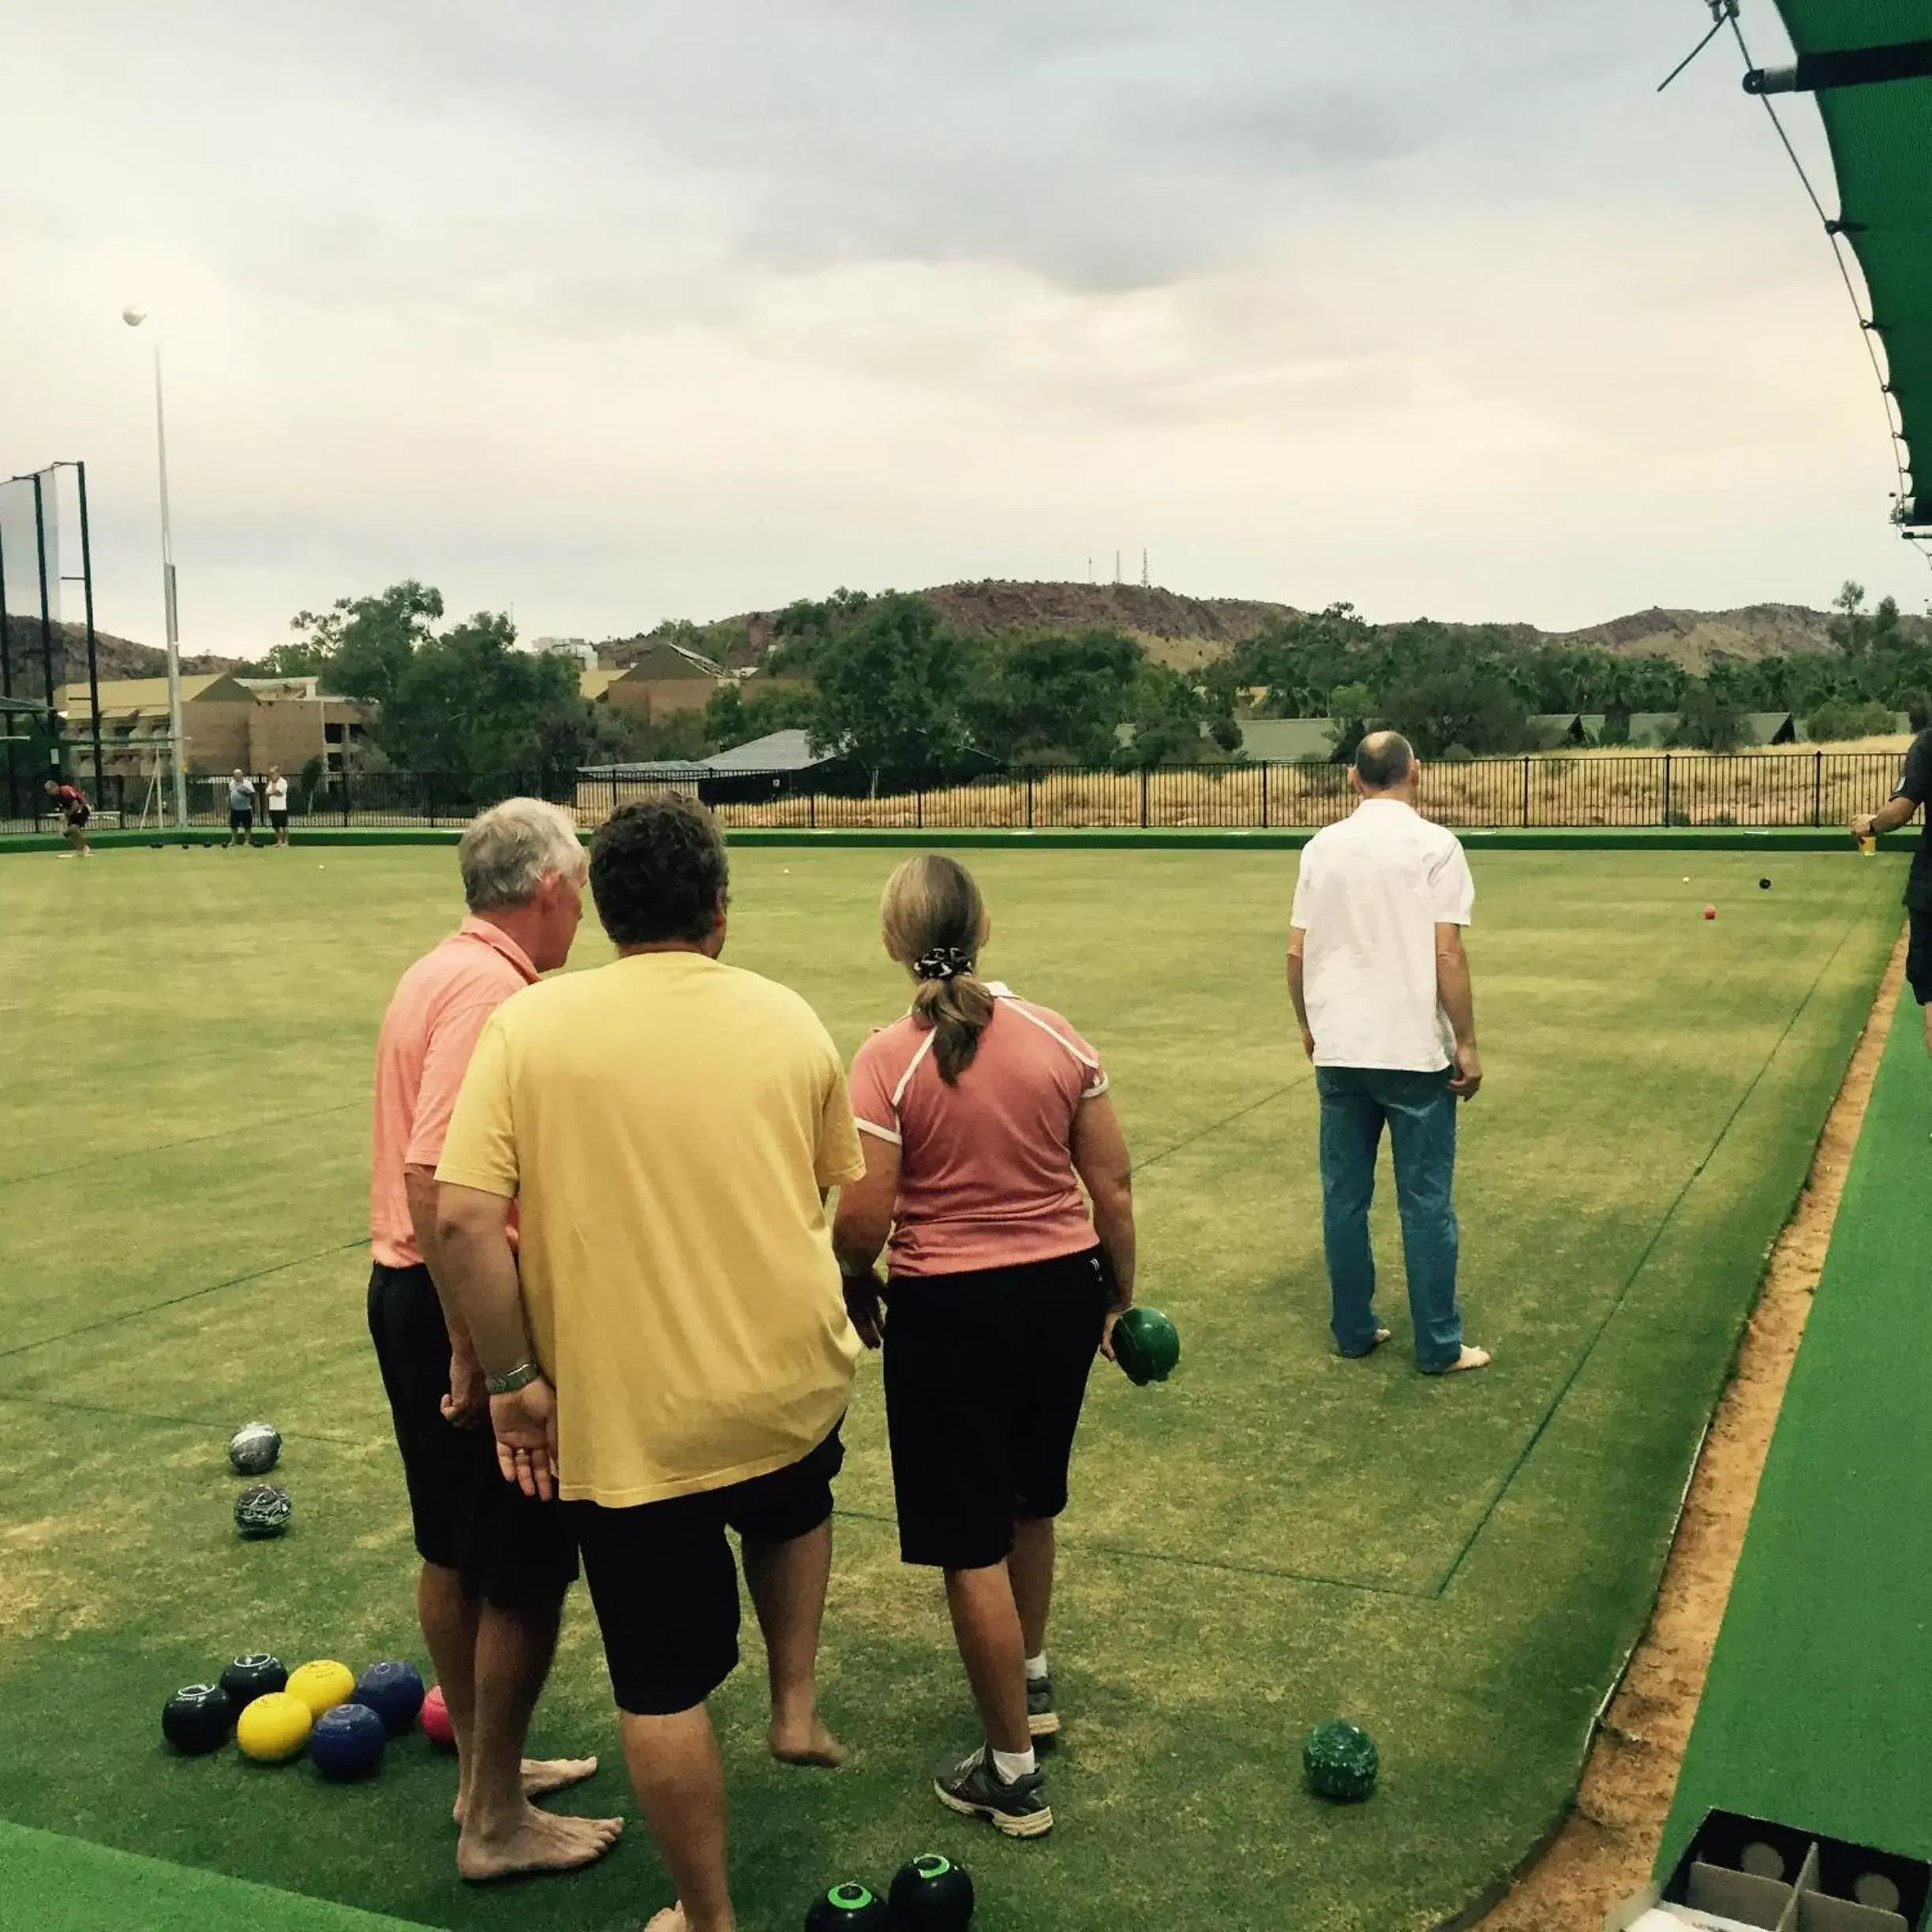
column 1625, row 789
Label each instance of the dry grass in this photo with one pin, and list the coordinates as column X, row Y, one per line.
column 1794, row 785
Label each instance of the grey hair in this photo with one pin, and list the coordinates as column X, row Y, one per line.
column 1382, row 760
column 508, row 849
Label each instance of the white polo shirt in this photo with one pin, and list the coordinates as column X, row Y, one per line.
column 1371, row 892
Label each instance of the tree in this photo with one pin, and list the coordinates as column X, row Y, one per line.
column 739, row 711
column 1053, row 698
column 888, row 687
column 307, row 659
column 1708, row 721
column 365, row 644
column 1437, row 709
column 1165, row 715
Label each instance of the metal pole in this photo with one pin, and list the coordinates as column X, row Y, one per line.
column 46, row 630
column 170, row 611
column 87, row 590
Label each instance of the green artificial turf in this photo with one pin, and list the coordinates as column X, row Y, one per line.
column 1274, row 1538
column 1819, row 1704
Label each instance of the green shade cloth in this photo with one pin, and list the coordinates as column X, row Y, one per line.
column 1880, row 138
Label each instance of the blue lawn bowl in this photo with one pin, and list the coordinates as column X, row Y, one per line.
column 348, row 1742
column 393, row 1691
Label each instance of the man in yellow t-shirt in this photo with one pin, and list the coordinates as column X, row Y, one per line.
column 675, row 1358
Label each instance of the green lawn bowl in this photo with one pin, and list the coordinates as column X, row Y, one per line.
column 1147, row 1344
column 1342, row 1762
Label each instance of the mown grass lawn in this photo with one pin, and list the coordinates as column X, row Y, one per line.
column 1275, row 1537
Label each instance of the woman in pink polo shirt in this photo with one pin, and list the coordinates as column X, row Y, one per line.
column 982, row 1115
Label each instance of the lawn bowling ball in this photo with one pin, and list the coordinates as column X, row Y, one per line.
column 1710, row 912
column 253, row 1449
column 1764, row 885
column 849, row 1908
column 322, row 1685
column 347, row 1742
column 393, row 1691
column 198, row 1720
column 1341, row 1761
column 264, row 1510
column 251, row 1676
column 931, row 1894
column 274, row 1727
column 436, row 1720
column 1146, row 1345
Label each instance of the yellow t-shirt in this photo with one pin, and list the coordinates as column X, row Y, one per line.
column 666, row 1123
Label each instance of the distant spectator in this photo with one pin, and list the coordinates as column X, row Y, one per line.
column 1914, row 787
column 278, row 804
column 982, row 1115
column 72, row 803
column 240, row 809
column 1381, row 987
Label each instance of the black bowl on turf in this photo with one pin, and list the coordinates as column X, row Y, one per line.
column 254, row 1448
column 264, row 1510
column 198, row 1720
column 255, row 1675
column 848, row 1907
column 931, row 1894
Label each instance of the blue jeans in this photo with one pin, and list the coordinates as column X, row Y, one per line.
column 1421, row 1114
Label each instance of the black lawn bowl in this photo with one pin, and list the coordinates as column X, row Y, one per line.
column 255, row 1675
column 931, row 1894
column 848, row 1907
column 263, row 1511
column 198, row 1720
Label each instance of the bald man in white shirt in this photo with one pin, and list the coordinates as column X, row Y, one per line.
column 1381, row 987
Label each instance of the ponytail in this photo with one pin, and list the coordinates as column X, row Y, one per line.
column 935, row 923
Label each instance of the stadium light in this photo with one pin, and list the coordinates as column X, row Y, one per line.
column 134, row 318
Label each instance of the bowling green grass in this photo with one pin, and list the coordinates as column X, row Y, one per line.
column 1275, row 1537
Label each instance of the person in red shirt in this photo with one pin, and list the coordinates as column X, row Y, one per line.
column 72, row 803
column 982, row 1115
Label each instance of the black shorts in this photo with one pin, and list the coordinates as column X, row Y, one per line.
column 279, row 820
column 78, row 821
column 508, row 1548
column 985, row 1376
column 665, row 1585
column 1918, row 957
column 241, row 821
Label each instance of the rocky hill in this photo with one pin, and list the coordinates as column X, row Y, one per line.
column 117, row 657
column 1187, row 631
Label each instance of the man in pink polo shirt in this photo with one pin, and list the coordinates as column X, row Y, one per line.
column 495, row 1563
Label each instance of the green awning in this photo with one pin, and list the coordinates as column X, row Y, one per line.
column 1880, row 138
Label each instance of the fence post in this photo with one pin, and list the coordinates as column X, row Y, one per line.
column 1143, row 798
column 1029, row 801
column 1264, row 802
column 1817, row 787
column 1525, row 789
column 811, row 808
column 1666, row 788
column 345, row 779
column 919, row 808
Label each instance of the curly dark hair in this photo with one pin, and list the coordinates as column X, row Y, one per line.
column 656, row 868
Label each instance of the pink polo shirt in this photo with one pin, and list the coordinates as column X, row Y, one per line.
column 435, row 1017
column 986, row 1169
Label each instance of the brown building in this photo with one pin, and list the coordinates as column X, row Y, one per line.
column 664, row 680
column 228, row 720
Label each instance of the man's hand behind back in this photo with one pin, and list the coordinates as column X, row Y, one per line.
column 525, row 1422
column 1468, row 1076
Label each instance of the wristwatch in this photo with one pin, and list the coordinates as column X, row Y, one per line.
column 520, row 1377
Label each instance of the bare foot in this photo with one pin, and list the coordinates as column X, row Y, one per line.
column 670, row 1919
column 807, row 1744
column 1470, row 1358
column 542, row 1775
column 538, row 1842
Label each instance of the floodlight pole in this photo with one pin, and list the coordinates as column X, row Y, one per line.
column 169, row 608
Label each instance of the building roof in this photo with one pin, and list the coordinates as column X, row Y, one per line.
column 1649, row 729
column 151, row 694
column 778, row 751
column 594, row 682
column 1764, row 728
column 1288, row 741
column 693, row 664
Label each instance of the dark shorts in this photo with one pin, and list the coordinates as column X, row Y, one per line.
column 507, row 1547
column 1919, row 957
column 665, row 1585
column 985, row 1376
column 78, row 821
column 279, row 820
column 241, row 821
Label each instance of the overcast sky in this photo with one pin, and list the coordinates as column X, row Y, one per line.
column 614, row 310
